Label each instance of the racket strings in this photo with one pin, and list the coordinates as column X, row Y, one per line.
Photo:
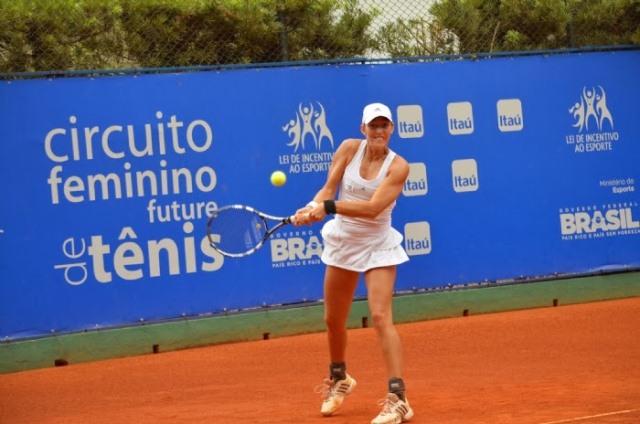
column 237, row 231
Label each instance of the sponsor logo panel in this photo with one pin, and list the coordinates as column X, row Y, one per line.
column 460, row 118
column 417, row 238
column 465, row 175
column 593, row 123
column 599, row 220
column 510, row 117
column 409, row 121
column 310, row 139
column 416, row 184
column 294, row 248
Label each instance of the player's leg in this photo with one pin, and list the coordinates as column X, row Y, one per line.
column 380, row 285
column 339, row 288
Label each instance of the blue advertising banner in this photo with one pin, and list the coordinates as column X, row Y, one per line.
column 520, row 167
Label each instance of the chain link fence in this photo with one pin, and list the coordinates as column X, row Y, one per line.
column 58, row 36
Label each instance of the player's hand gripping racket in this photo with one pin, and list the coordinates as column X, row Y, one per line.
column 237, row 230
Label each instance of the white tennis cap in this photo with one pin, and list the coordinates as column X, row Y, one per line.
column 375, row 110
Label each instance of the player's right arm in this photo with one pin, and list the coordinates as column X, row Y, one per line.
column 341, row 159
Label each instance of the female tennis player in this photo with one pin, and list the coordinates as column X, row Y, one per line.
column 360, row 239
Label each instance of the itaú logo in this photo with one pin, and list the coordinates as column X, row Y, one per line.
column 460, row 116
column 465, row 175
column 591, row 222
column 416, row 183
column 417, row 238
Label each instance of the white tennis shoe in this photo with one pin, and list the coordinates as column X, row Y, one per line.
column 333, row 393
column 394, row 410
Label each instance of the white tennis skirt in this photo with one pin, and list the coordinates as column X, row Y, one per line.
column 359, row 247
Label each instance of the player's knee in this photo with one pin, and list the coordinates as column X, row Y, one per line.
column 381, row 320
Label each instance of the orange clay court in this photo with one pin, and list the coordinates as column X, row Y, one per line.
column 566, row 364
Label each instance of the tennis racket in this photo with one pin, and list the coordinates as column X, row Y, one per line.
column 237, row 230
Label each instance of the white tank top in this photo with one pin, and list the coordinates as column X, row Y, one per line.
column 354, row 187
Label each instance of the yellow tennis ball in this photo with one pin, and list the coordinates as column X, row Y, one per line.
column 278, row 178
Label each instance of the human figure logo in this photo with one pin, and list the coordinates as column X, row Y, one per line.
column 592, row 109
column 308, row 127
column 310, row 122
column 593, row 121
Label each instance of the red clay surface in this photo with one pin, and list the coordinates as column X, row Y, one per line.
column 568, row 364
